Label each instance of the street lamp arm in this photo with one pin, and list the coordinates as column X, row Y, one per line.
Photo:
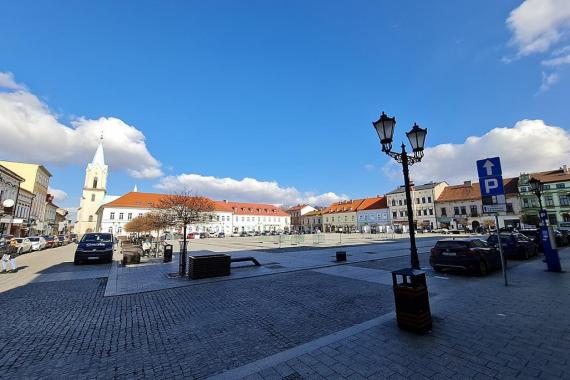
column 399, row 157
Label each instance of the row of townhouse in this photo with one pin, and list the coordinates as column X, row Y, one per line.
column 228, row 217
column 440, row 205
column 26, row 207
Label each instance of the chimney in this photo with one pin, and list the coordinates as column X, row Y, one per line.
column 466, row 183
column 225, row 201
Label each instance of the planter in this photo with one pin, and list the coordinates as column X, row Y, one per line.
column 209, row 266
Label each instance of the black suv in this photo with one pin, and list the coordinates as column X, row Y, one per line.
column 94, row 247
column 468, row 254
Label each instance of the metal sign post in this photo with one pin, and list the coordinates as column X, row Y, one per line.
column 503, row 261
column 493, row 197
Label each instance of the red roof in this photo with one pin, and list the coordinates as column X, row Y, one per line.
column 147, row 200
column 373, row 204
column 472, row 191
column 559, row 175
column 297, row 208
column 343, row 206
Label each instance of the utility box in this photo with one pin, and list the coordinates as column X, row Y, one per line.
column 412, row 300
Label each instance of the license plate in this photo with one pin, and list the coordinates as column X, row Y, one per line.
column 448, row 253
column 92, row 258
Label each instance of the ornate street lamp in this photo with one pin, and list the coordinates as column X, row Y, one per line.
column 384, row 126
column 550, row 253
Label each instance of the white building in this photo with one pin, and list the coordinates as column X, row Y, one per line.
column 423, row 204
column 373, row 215
column 297, row 213
column 227, row 217
column 9, row 189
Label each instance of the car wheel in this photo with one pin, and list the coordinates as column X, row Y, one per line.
column 76, row 262
column 482, row 268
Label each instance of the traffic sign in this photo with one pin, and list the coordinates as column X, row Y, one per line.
column 489, row 167
column 491, row 184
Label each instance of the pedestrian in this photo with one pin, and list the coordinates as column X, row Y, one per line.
column 10, row 256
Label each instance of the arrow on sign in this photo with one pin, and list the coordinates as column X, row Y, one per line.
column 488, row 165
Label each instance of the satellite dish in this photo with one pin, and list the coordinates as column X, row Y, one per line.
column 8, row 203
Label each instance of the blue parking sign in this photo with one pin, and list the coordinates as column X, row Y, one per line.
column 489, row 167
column 491, row 186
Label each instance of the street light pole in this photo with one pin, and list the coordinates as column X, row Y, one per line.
column 385, row 129
column 415, row 261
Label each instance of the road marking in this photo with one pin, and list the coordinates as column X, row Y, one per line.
column 441, row 277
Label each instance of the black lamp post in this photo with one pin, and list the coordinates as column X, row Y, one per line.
column 417, row 136
column 537, row 188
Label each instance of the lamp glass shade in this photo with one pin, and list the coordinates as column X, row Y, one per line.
column 385, row 128
column 417, row 137
column 535, row 185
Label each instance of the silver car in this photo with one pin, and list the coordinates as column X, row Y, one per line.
column 24, row 245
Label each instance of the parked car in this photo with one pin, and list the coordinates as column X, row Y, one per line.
column 561, row 238
column 221, row 234
column 95, row 247
column 204, row 235
column 468, row 254
column 50, row 243
column 534, row 236
column 73, row 238
column 63, row 240
column 24, row 245
column 515, row 245
column 38, row 243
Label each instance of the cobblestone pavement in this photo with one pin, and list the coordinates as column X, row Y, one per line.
column 293, row 325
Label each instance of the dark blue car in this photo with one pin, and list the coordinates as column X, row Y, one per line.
column 94, row 247
column 515, row 245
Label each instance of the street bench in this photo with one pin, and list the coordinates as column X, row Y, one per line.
column 206, row 266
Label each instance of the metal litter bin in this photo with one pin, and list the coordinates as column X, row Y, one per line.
column 167, row 253
column 341, row 256
column 412, row 300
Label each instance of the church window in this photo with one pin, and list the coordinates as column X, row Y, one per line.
column 90, row 218
column 95, row 182
column 92, row 197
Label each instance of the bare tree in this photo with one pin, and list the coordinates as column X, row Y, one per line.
column 182, row 209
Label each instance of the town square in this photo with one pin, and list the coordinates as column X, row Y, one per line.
column 285, row 190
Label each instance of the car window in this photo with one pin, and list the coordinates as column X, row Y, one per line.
column 19, row 240
column 451, row 244
column 96, row 238
column 34, row 239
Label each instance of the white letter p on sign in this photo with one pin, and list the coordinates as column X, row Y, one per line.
column 490, row 184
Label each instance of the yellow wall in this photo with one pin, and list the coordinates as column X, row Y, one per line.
column 27, row 171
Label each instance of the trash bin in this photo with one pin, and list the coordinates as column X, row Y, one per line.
column 341, row 256
column 167, row 253
column 412, row 300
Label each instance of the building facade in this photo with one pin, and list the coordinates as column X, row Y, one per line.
column 341, row 216
column 50, row 217
column 36, row 180
column 555, row 197
column 461, row 207
column 312, row 222
column 227, row 217
column 297, row 213
column 9, row 191
column 373, row 215
column 93, row 193
column 423, row 205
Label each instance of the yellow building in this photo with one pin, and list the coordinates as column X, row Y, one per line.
column 36, row 181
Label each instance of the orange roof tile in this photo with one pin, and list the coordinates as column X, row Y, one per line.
column 296, row 208
column 240, row 208
column 472, row 191
column 559, row 175
column 373, row 204
column 343, row 206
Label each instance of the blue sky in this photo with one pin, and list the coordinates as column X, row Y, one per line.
column 282, row 92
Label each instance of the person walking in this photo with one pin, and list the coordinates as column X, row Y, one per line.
column 10, row 256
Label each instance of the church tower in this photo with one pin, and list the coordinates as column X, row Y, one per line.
column 94, row 190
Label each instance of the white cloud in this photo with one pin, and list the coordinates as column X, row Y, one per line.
column 548, row 80
column 58, row 195
column 7, row 81
column 539, row 24
column 72, row 215
column 245, row 190
column 557, row 61
column 530, row 145
column 31, row 131
column 369, row 167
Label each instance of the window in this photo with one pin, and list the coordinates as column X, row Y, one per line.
column 401, row 214
column 419, row 212
column 393, row 202
column 549, row 200
column 456, row 211
column 112, row 216
column 333, row 219
column 90, row 218
column 394, row 214
column 473, row 209
column 140, row 213
column 129, row 216
column 525, row 203
column 95, row 182
column 546, row 187
column 463, row 210
column 110, row 230
column 400, row 202
column 119, row 229
column 443, row 211
column 121, row 215
column 431, row 211
column 564, row 200
column 560, row 186
column 429, row 199
column 417, row 200
column 92, row 197
column 425, row 211
column 552, row 219
column 243, row 219
column 510, row 207
column 423, row 199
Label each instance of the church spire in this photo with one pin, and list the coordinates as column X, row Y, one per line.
column 135, row 189
column 99, row 158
